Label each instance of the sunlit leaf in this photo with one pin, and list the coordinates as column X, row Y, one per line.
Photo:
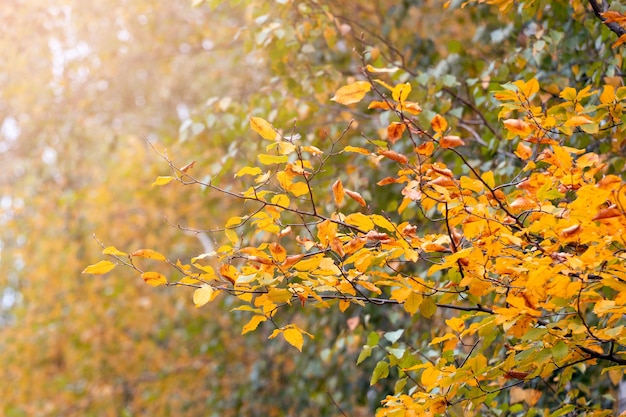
column 273, row 159
column 154, row 278
column 356, row 197
column 111, row 250
column 101, row 267
column 203, row 295
column 248, row 171
column 148, row 254
column 263, row 128
column 338, row 192
column 162, row 180
column 352, row 93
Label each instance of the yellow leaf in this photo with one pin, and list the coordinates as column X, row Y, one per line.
column 430, row 376
column 281, row 200
column 203, row 295
column 356, row 149
column 489, row 179
column 360, row 220
column 101, row 267
column 352, row 93
column 298, row 189
column 162, row 180
column 338, row 192
column 263, row 128
column 382, row 222
column 401, row 91
column 381, row 70
column 254, row 171
column 232, row 236
column 529, row 88
column 154, row 278
column 439, row 124
column 111, row 250
column 253, row 323
column 279, row 295
column 273, row 159
column 578, row 121
column 412, row 303
column 148, row 254
column 294, row 337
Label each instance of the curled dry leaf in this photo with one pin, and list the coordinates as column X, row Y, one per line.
column 338, row 192
column 517, row 127
column 571, row 231
column 439, row 124
column 451, row 142
column 394, row 156
column 607, row 213
column 395, row 131
column 356, row 197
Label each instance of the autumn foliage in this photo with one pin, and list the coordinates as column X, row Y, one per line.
column 463, row 217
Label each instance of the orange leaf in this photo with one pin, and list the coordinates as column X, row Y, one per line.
column 609, row 182
column 451, row 142
column 523, row 203
column 148, row 254
column 338, row 192
column 523, row 151
column 439, row 124
column 352, row 93
column 607, row 213
column 278, row 252
column 356, row 197
column 154, row 278
column 394, row 156
column 619, row 41
column 395, row 131
column 379, row 105
column 425, row 148
column 517, row 127
column 410, row 107
column 613, row 16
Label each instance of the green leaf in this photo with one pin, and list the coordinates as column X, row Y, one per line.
column 381, row 371
column 365, row 353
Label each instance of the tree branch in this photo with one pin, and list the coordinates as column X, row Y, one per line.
column 598, row 9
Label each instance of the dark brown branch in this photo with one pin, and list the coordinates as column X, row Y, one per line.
column 598, row 9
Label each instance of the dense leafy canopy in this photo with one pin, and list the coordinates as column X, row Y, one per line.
column 432, row 191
